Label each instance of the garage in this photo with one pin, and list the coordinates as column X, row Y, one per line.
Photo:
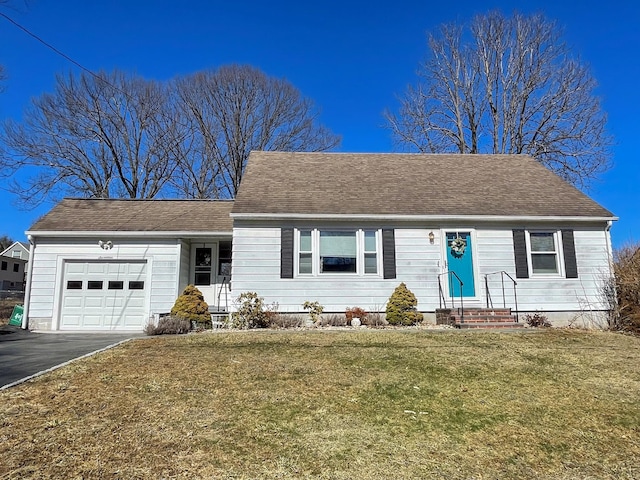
column 104, row 295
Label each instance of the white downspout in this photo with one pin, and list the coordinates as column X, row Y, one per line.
column 607, row 235
column 27, row 289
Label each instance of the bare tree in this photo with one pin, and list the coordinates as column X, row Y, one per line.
column 116, row 135
column 5, row 242
column 506, row 85
column 110, row 135
column 236, row 109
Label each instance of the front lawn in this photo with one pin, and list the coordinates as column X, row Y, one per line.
column 553, row 404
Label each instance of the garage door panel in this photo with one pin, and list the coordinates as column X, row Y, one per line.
column 71, row 320
column 109, row 304
column 72, row 302
column 94, row 302
column 76, row 268
column 131, row 321
column 117, row 302
column 117, row 269
column 96, row 268
column 92, row 320
column 137, row 268
column 136, row 303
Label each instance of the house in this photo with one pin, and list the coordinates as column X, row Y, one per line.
column 14, row 266
column 340, row 229
column 107, row 265
column 12, row 273
column 17, row 250
column 346, row 229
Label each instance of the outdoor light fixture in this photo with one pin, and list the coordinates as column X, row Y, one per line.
column 432, row 238
column 105, row 245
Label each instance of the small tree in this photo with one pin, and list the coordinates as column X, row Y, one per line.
column 191, row 306
column 401, row 307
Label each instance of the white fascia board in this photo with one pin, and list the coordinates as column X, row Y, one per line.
column 419, row 218
column 129, row 234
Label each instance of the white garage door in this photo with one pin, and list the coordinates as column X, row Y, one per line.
column 104, row 296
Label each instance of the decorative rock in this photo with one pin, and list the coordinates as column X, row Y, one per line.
column 355, row 322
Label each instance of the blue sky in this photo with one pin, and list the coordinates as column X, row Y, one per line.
column 351, row 57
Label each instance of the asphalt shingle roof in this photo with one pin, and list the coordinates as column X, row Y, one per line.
column 107, row 215
column 407, row 184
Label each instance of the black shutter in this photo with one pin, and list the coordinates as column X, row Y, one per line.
column 286, row 253
column 388, row 253
column 520, row 254
column 569, row 249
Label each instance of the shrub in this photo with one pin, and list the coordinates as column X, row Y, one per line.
column 168, row 325
column 252, row 312
column 190, row 306
column 315, row 310
column 333, row 320
column 623, row 291
column 375, row 319
column 356, row 312
column 287, row 321
column 401, row 307
column 536, row 320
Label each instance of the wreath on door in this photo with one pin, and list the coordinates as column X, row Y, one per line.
column 458, row 246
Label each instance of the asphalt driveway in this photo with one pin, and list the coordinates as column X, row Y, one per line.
column 24, row 353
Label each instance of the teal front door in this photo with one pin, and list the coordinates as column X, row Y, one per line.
column 460, row 261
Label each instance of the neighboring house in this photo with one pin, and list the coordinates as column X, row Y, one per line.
column 17, row 250
column 340, row 229
column 112, row 264
column 12, row 273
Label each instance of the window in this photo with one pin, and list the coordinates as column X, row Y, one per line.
column 115, row 285
column 544, row 253
column 203, row 266
column 4, row 265
column 136, row 285
column 74, row 285
column 16, row 267
column 370, row 252
column 338, row 252
column 16, row 254
column 305, row 260
column 224, row 259
column 94, row 285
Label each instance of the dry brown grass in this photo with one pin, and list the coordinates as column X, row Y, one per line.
column 334, row 405
column 6, row 308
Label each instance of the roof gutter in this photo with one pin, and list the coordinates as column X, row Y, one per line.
column 27, row 288
column 128, row 233
column 420, row 218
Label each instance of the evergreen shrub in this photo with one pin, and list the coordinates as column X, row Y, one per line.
column 190, row 305
column 402, row 307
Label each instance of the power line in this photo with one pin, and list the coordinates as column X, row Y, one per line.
column 62, row 54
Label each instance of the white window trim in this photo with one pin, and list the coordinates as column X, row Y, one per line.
column 360, row 255
column 557, row 240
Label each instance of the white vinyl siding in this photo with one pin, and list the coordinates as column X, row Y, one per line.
column 256, row 268
column 545, row 292
column 48, row 267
